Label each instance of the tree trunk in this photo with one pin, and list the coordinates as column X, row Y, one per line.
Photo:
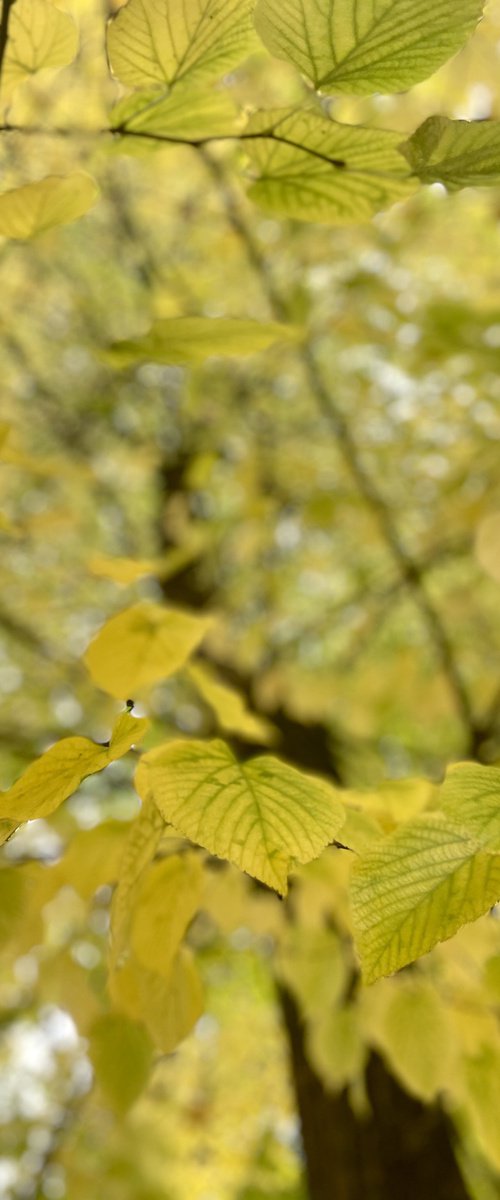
column 402, row 1150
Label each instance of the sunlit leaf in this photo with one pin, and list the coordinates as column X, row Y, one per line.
column 190, row 340
column 457, row 153
column 184, row 114
column 262, row 815
column 366, row 46
column 59, row 772
column 229, row 706
column 155, row 41
column 314, row 169
column 40, row 36
column 141, row 645
column 314, row 966
column 93, row 857
column 121, row 1054
column 416, row 888
column 470, row 796
column 167, row 900
column 36, row 207
column 482, row 1090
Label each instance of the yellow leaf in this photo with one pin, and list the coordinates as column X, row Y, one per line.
column 121, row 1053
column 229, row 706
column 187, row 341
column 168, row 899
column 142, row 840
column 55, row 200
column 262, row 815
column 59, row 772
column 142, row 645
column 169, row 1006
column 40, row 35
column 336, row 1048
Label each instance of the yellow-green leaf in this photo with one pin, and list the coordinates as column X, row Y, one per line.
column 142, row 841
column 335, row 1047
column 229, row 706
column 314, row 169
column 456, row 153
column 314, row 966
column 40, row 36
column 470, row 796
column 59, row 772
column 365, row 46
column 263, row 815
column 167, row 900
column 157, row 41
column 121, row 1053
column 184, row 114
column 141, row 645
column 416, row 888
column 36, row 207
column 482, row 1089
column 186, row 341
column 412, row 1029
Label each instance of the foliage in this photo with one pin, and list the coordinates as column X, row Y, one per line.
column 228, row 625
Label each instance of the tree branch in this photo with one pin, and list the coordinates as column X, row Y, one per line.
column 409, row 569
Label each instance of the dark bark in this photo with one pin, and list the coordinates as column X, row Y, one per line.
column 402, row 1150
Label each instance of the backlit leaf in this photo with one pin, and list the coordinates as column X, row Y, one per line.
column 336, row 1048
column 413, row 1030
column 40, row 35
column 456, row 153
column 155, row 41
column 121, row 1053
column 59, row 772
column 141, row 645
column 183, row 114
column 167, row 901
column 416, row 888
column 55, row 200
column 365, row 46
column 470, row 796
column 314, row 169
column 262, row 815
column 189, row 340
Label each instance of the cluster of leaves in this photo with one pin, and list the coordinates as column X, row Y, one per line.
column 401, row 869
column 302, row 162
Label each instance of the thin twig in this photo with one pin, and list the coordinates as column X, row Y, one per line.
column 409, row 569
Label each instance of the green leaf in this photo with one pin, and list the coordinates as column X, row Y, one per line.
column 157, row 41
column 456, row 153
column 121, row 1053
column 141, row 645
column 40, row 36
column 12, row 901
column 190, row 340
column 365, row 46
column 59, row 772
column 229, row 706
column 167, row 900
column 314, row 169
column 262, row 815
column 470, row 796
column 184, row 114
column 56, row 200
column 416, row 888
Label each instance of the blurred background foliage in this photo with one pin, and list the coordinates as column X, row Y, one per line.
column 404, row 316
